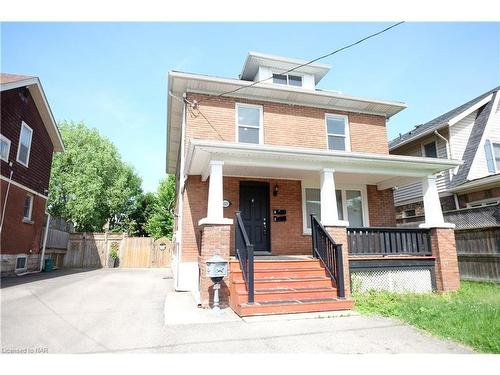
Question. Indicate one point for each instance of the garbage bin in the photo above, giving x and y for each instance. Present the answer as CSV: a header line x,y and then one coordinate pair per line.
x,y
49,265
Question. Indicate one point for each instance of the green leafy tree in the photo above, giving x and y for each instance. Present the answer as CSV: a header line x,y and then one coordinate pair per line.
x,y
135,216
161,222
90,184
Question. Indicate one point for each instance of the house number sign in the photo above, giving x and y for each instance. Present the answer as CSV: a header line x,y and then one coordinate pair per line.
x,y
226,203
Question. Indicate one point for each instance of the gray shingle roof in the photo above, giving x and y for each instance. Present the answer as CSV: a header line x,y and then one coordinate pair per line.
x,y
438,122
473,143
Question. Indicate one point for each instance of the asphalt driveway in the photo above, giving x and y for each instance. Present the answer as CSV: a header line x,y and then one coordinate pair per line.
x,y
122,310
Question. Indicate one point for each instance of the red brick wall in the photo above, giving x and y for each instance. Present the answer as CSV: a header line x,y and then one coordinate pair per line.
x,y
214,239
445,251
286,237
381,207
14,110
18,237
285,125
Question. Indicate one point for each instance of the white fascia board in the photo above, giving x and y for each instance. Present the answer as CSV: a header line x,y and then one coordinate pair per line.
x,y
50,121
469,110
484,182
312,159
276,88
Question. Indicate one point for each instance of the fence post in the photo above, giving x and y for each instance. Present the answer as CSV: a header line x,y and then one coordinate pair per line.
x,y
340,271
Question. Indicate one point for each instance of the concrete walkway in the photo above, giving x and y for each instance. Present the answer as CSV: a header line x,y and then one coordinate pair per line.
x,y
127,310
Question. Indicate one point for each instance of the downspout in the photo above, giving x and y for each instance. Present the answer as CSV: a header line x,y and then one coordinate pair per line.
x,y
6,196
43,249
448,156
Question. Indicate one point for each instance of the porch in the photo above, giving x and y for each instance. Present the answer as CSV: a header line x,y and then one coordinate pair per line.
x,y
270,193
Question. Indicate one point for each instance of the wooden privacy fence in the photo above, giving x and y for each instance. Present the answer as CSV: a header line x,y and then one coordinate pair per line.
x,y
478,253
91,250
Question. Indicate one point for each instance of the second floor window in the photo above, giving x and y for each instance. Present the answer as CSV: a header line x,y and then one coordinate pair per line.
x,y
337,129
249,123
4,148
430,150
23,151
492,152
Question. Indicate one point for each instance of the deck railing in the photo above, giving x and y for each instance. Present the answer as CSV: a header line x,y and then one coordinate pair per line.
x,y
389,241
244,253
329,253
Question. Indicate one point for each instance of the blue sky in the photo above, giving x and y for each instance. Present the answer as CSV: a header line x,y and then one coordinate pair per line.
x,y
112,76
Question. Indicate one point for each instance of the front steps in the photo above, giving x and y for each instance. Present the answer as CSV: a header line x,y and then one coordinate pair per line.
x,y
285,285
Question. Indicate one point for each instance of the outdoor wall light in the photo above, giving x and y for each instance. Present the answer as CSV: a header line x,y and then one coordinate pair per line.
x,y
275,190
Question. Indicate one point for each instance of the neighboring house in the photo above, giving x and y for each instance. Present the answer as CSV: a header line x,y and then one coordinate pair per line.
x,y
279,151
470,132
29,136
469,194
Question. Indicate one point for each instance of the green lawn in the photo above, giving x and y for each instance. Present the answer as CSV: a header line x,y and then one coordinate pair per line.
x,y
471,315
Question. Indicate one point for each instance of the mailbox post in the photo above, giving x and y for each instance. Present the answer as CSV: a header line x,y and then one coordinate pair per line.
x,y
216,270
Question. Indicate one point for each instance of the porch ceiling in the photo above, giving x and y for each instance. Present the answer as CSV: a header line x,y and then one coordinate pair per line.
x,y
265,161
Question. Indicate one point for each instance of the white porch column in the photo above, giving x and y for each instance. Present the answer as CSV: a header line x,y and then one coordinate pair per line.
x,y
432,205
215,210
329,212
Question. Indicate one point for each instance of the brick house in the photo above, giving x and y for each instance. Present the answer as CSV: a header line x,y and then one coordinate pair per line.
x,y
29,136
253,162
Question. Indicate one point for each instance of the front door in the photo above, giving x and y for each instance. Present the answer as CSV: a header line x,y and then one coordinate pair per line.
x,y
254,207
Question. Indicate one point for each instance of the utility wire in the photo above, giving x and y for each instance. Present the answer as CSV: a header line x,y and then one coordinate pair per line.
x,y
309,62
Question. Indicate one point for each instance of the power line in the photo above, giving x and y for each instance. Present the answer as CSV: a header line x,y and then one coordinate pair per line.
x,y
310,62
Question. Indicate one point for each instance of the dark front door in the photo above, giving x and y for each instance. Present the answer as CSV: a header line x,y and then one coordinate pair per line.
x,y
254,207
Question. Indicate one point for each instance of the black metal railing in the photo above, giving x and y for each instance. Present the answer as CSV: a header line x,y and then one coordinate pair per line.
x,y
329,252
244,253
389,241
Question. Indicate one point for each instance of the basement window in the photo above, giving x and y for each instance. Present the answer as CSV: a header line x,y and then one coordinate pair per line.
x,y
21,263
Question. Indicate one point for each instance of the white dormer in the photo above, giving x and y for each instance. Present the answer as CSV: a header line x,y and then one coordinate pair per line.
x,y
259,66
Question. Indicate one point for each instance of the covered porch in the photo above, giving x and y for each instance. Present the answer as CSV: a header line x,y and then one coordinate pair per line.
x,y
275,190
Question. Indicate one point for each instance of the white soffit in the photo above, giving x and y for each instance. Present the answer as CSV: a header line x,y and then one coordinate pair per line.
x,y
291,161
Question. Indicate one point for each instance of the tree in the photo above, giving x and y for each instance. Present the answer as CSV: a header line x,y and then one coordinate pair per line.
x,y
90,184
135,216
161,222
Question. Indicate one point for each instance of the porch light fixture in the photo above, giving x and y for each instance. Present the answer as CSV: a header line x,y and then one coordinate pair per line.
x,y
275,190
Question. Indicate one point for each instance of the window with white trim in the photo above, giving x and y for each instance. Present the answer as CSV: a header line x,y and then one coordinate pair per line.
x,y
21,263
249,123
496,155
28,207
287,79
337,132
23,151
484,202
4,148
350,204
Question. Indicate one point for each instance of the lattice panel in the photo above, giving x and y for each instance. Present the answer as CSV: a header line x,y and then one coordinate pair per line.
x,y
416,280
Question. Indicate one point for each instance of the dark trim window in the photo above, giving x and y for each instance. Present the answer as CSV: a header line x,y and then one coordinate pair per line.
x,y
28,207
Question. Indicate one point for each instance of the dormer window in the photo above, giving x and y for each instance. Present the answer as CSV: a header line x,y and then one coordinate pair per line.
x,y
287,79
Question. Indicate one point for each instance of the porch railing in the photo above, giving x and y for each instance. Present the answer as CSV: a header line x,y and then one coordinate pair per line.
x,y
244,253
389,241
329,253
